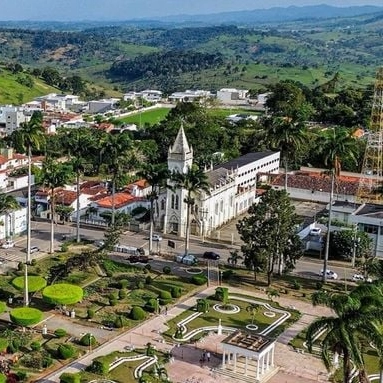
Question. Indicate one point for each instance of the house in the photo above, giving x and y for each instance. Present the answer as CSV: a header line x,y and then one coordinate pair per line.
x,y
11,117
190,96
232,190
14,223
102,106
231,96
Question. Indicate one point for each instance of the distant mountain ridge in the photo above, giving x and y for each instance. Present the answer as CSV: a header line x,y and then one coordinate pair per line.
x,y
276,14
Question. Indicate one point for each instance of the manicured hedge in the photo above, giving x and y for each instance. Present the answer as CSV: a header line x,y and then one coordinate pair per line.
x,y
199,280
35,283
88,340
67,377
25,316
66,351
151,305
121,322
63,294
137,313
176,292
60,333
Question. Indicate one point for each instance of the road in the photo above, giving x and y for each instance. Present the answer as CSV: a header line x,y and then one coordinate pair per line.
x,y
305,267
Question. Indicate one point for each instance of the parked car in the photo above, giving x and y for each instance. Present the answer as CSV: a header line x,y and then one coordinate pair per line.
x,y
138,259
8,244
34,249
156,237
330,274
360,278
315,231
99,243
211,255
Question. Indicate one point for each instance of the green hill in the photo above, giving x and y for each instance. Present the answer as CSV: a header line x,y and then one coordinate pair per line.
x,y
17,88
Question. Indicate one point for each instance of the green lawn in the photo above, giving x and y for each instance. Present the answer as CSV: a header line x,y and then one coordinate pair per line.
x,y
150,117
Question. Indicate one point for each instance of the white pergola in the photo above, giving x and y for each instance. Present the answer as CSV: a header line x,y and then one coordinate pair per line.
x,y
251,347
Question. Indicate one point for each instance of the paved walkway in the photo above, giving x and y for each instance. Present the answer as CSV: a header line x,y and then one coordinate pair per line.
x,y
294,367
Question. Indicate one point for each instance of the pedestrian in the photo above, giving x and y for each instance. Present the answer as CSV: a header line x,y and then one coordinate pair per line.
x,y
208,356
203,356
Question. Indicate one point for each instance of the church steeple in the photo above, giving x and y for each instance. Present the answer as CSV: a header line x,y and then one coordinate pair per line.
x,y
180,151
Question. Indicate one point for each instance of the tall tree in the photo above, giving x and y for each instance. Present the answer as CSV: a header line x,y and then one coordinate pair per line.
x,y
344,332
269,235
335,144
54,175
287,135
194,181
29,136
79,144
156,176
8,203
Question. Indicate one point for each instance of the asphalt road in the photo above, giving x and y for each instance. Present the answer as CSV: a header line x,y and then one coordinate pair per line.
x,y
306,267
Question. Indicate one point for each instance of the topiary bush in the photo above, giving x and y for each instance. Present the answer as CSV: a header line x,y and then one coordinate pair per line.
x,y
21,376
88,340
151,305
222,294
65,351
176,292
167,270
67,377
60,333
202,305
139,285
90,313
35,283
99,367
137,313
122,294
25,316
35,346
199,280
121,322
113,296
63,294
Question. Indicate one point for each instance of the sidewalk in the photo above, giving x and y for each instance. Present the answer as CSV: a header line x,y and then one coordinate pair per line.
x,y
294,367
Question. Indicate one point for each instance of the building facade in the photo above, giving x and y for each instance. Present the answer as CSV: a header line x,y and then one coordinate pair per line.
x,y
232,190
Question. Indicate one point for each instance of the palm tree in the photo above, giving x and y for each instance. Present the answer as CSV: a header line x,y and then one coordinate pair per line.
x,y
335,144
54,175
8,203
234,258
119,156
29,136
79,145
252,309
193,181
156,176
343,333
286,134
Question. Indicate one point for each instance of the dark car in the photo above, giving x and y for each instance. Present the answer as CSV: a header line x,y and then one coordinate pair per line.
x,y
211,255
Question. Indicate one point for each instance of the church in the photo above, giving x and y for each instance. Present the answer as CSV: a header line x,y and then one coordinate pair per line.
x,y
232,190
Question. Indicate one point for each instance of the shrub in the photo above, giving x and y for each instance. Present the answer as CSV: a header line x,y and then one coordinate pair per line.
x,y
60,333
124,283
199,280
21,376
20,266
67,377
148,280
88,340
222,294
90,313
25,316
35,346
137,313
319,285
99,367
202,305
66,351
35,283
3,307
176,292
167,270
148,267
151,305
34,262
122,294
228,274
140,285
113,296
296,285
165,297
63,294
121,322
4,343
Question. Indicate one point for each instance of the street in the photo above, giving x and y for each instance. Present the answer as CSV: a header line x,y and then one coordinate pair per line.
x,y
306,267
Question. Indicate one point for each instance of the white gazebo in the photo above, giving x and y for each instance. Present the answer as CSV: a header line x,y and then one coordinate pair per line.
x,y
249,354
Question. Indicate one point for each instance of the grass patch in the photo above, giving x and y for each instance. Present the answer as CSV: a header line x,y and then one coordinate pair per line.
x,y
150,117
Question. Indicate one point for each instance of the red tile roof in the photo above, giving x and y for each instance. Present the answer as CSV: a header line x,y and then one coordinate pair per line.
x,y
120,200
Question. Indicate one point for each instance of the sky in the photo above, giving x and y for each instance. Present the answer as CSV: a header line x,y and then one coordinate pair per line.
x,y
74,10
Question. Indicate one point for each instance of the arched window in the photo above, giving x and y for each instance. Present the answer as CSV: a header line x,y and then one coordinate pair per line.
x,y
173,199
177,202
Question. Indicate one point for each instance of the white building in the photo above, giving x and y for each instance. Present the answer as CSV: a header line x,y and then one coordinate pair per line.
x,y
190,96
11,117
231,96
232,190
14,223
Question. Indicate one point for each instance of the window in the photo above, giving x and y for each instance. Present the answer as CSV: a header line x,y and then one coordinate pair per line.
x,y
216,208
221,207
177,203
163,204
173,200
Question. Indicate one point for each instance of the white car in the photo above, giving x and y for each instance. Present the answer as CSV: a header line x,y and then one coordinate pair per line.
x,y
8,244
330,274
156,237
315,231
360,278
